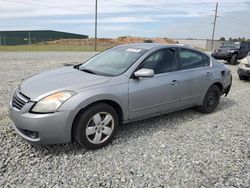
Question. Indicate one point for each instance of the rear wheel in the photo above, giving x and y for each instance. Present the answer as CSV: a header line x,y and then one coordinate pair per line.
x,y
242,77
234,59
211,100
96,126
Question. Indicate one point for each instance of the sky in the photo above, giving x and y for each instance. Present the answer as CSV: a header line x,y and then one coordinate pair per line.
x,y
142,18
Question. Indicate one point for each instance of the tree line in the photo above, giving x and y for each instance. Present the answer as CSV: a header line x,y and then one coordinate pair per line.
x,y
243,39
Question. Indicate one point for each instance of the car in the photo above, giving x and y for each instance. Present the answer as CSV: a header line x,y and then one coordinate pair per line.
x,y
87,102
232,51
244,68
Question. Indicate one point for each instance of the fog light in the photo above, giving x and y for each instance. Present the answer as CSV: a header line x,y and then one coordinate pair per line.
x,y
31,134
34,135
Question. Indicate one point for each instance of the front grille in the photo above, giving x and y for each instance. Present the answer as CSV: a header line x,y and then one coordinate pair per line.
x,y
19,100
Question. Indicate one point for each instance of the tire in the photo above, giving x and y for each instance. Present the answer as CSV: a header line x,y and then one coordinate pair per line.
x,y
90,129
242,77
234,59
211,100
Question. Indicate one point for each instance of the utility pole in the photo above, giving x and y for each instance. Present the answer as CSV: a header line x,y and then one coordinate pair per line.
x,y
95,25
0,39
29,39
214,23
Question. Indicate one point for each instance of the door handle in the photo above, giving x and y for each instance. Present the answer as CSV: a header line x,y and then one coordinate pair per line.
x,y
208,74
174,83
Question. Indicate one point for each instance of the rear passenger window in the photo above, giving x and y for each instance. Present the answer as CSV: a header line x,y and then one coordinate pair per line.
x,y
190,59
206,60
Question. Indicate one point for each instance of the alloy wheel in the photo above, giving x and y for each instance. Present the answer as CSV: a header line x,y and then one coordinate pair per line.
x,y
99,128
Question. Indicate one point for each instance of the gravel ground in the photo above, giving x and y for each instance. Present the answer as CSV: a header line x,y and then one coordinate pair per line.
x,y
181,149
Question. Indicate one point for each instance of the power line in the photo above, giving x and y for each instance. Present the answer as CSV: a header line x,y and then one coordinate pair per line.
x,y
232,28
2,41
234,19
238,19
41,5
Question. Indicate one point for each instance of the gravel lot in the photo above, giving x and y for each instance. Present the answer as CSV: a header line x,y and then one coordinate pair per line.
x,y
182,149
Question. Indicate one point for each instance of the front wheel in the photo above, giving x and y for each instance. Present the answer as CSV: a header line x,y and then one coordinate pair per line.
x,y
234,59
96,126
211,100
242,77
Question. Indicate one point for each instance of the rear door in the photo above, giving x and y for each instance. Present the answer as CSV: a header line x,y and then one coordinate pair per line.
x,y
149,96
195,76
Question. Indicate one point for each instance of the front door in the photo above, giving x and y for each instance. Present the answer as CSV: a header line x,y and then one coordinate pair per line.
x,y
150,96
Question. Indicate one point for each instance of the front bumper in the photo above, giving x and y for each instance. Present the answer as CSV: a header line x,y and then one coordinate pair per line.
x,y
243,71
222,56
53,128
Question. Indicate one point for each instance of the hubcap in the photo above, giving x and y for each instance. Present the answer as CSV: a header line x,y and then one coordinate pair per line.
x,y
211,99
100,127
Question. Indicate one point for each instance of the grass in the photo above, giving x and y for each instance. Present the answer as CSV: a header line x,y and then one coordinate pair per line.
x,y
50,47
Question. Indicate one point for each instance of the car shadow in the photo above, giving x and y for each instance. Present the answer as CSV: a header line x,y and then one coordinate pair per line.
x,y
134,130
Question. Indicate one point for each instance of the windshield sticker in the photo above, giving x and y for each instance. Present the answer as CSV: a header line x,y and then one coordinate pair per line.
x,y
133,50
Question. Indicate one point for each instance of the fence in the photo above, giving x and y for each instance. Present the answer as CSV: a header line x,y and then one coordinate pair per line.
x,y
200,43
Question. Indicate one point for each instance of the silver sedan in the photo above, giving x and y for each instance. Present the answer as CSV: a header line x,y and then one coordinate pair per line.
x,y
87,102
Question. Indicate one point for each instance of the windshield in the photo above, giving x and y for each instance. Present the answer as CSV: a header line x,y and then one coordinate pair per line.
x,y
112,62
230,45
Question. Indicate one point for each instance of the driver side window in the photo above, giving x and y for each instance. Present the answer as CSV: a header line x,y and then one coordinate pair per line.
x,y
161,61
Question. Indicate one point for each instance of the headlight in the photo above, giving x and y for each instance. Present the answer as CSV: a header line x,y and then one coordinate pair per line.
x,y
231,51
52,102
241,65
244,61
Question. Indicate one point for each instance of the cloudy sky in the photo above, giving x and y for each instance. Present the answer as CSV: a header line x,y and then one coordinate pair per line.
x,y
147,18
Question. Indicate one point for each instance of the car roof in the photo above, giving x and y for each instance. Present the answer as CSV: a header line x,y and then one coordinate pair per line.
x,y
150,46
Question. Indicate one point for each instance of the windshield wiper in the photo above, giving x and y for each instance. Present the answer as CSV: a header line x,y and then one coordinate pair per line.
x,y
88,71
91,71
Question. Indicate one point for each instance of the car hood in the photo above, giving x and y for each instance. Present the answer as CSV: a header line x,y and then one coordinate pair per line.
x,y
61,79
245,60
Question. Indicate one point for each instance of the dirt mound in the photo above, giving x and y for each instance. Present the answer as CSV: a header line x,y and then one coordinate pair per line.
x,y
111,42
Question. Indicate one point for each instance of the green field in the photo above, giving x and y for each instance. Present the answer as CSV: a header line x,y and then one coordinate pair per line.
x,y
50,47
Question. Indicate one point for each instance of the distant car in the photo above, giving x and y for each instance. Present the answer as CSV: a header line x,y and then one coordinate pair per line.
x,y
232,51
87,102
244,68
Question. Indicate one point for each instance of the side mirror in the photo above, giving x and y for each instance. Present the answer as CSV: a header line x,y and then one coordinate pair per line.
x,y
144,73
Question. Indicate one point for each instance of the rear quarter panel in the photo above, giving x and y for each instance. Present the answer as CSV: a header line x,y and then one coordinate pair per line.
x,y
226,78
